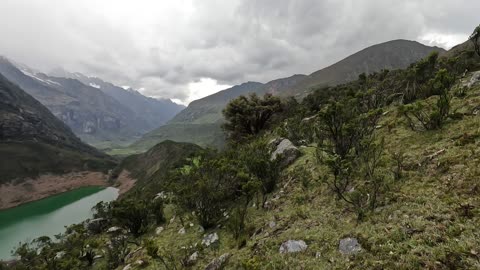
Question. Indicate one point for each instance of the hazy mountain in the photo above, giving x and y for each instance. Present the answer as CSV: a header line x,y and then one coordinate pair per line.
x,y
208,110
154,112
89,112
34,141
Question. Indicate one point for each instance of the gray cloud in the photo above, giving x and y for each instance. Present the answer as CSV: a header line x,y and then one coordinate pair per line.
x,y
162,46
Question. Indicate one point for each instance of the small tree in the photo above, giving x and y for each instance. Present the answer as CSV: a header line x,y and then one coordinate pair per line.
x,y
132,214
428,115
247,116
475,39
206,187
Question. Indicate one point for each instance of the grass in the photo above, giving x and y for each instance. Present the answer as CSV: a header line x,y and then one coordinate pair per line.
x,y
422,225
429,219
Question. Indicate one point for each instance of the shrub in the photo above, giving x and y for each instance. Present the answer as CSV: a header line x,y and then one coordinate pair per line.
x,y
131,213
247,116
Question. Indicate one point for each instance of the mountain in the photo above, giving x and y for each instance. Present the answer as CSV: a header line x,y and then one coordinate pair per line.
x,y
201,121
90,113
98,112
33,141
408,195
153,112
394,54
150,167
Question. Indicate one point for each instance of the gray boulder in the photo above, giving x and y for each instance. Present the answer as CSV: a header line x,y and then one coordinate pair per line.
x,y
292,246
219,262
285,150
210,239
349,246
192,259
473,80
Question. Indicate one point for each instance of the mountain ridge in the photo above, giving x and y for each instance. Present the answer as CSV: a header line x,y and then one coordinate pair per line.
x,y
394,54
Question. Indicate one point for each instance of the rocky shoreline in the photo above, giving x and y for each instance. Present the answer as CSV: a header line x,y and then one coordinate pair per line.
x,y
29,190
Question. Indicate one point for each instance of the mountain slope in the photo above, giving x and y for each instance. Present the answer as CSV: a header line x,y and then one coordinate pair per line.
x,y
154,112
394,54
33,141
90,113
201,121
149,168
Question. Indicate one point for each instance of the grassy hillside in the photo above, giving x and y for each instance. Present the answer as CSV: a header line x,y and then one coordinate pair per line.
x,y
411,201
152,166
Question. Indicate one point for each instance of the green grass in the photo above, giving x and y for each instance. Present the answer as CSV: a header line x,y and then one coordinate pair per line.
x,y
420,226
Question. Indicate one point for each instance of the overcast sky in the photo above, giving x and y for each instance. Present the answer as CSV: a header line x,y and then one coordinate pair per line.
x,y
186,49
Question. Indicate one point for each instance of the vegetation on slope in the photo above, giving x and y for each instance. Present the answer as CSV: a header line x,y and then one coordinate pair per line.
x,y
370,170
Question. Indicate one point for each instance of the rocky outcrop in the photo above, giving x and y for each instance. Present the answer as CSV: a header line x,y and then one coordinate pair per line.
x,y
285,151
210,239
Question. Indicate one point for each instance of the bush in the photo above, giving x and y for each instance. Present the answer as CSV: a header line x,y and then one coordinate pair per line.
x,y
132,214
248,116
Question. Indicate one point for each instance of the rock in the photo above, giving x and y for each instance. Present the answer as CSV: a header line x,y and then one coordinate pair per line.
x,y
114,229
201,229
131,254
318,255
127,267
140,262
96,225
272,224
210,239
291,246
162,195
60,255
181,231
219,262
97,257
349,246
286,151
159,230
192,259
473,80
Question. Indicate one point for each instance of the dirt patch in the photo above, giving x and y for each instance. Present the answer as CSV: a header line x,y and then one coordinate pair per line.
x,y
124,182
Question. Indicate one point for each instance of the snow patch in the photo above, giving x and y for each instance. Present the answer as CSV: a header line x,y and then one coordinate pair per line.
x,y
95,85
26,72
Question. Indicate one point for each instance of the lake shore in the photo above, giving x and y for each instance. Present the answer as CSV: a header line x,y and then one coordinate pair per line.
x,y
29,190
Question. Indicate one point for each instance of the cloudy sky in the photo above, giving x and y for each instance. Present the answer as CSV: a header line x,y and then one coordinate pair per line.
x,y
187,49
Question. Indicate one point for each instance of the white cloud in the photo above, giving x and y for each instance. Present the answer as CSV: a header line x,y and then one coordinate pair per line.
x,y
202,88
443,40
166,46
